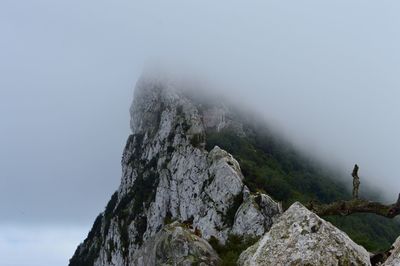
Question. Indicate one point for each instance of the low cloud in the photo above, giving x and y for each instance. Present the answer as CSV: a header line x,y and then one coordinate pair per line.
x,y
325,74
23,245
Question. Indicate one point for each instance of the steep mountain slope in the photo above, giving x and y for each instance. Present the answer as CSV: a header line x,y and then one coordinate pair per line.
x,y
169,176
208,170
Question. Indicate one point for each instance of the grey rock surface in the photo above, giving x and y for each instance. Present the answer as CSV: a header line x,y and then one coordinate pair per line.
x,y
300,237
175,245
168,175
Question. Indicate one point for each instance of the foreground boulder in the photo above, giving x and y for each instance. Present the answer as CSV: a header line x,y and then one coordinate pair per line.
x,y
300,237
176,245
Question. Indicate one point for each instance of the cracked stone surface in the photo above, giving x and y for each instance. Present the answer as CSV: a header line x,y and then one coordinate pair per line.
x,y
176,245
300,237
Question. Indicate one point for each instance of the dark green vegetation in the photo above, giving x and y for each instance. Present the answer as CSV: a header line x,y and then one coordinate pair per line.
x,y
229,218
274,167
88,255
373,232
88,251
234,246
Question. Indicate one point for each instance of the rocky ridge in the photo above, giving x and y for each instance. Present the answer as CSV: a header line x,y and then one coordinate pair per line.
x,y
167,175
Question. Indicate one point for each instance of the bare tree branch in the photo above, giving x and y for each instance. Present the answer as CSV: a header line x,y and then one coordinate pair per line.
x,y
345,208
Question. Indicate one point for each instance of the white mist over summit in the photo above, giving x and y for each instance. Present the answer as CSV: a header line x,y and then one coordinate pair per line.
x,y
326,74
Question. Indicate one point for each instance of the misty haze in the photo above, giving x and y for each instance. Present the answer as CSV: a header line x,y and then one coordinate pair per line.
x,y
234,121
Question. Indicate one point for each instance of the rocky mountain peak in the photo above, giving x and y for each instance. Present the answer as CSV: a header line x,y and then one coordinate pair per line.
x,y
168,175
158,100
180,190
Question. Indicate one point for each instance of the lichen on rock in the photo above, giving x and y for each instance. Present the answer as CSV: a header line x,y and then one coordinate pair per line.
x,y
175,245
300,237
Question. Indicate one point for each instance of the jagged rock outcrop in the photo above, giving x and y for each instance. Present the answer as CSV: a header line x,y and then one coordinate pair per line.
x,y
300,237
394,258
167,175
255,214
176,245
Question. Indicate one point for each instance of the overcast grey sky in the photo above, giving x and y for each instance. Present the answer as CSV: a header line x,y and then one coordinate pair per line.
x,y
327,73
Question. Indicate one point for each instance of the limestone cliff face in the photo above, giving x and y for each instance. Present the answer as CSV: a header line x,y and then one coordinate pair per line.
x,y
167,175
300,237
